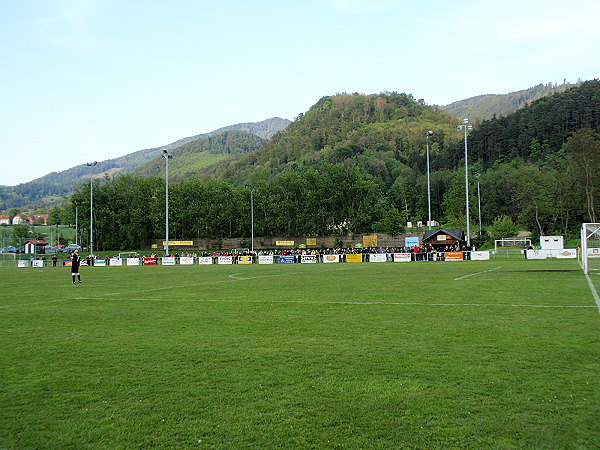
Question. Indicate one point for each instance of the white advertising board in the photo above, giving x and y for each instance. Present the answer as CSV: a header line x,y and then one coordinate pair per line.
x,y
168,261
225,260
402,257
21,263
37,263
186,260
265,259
593,252
377,257
331,258
536,254
480,256
205,260
115,262
566,253
308,259
100,262
133,261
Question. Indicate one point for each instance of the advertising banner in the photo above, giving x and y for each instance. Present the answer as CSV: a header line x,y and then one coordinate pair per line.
x,y
244,260
536,254
454,256
377,257
287,259
567,253
411,241
370,241
284,243
354,258
22,263
37,263
133,261
225,260
331,258
265,259
168,261
116,262
402,257
307,259
178,243
100,262
205,260
593,252
66,263
150,261
480,256
186,260
311,241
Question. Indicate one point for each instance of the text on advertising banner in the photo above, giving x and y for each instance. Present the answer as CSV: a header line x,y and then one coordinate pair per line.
x,y
402,257
377,257
454,256
151,261
311,241
265,259
225,260
115,262
287,259
133,261
21,263
37,263
331,258
411,241
205,260
168,261
244,260
186,260
593,252
370,241
567,253
354,258
100,262
308,259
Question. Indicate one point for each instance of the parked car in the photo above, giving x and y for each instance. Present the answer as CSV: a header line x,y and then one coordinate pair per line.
x,y
71,247
11,249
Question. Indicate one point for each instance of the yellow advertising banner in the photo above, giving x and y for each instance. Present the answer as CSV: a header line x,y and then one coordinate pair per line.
x,y
370,241
284,243
354,258
175,243
244,260
311,241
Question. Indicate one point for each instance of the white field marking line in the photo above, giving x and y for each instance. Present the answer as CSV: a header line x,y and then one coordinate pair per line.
x,y
594,292
35,303
339,302
230,278
477,273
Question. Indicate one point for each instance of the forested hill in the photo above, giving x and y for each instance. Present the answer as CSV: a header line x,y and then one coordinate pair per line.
x,y
48,189
382,134
190,158
483,107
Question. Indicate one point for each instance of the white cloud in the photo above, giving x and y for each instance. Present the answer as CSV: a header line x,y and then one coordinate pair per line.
x,y
362,6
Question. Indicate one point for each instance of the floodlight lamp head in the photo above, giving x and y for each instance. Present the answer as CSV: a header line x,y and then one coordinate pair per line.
x,y
429,133
465,120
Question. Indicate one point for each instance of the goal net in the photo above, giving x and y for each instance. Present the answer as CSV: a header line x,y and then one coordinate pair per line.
x,y
590,247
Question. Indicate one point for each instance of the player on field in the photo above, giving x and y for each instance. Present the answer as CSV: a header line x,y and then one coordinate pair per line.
x,y
75,262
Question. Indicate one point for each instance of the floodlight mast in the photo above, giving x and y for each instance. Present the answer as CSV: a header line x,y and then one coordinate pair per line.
x,y
91,164
429,133
166,155
466,126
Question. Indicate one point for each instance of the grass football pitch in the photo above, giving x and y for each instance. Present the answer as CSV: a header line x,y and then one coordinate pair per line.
x,y
490,354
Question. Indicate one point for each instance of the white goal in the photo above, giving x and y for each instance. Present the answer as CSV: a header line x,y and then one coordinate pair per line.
x,y
590,247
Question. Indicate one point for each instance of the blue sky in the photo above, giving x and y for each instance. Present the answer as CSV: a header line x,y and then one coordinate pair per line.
x,y
86,80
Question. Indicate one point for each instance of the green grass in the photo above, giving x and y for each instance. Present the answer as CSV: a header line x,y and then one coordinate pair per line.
x,y
301,356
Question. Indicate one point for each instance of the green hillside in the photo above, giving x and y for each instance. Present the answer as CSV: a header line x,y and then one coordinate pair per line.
x,y
194,156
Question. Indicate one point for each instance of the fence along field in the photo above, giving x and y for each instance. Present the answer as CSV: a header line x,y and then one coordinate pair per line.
x,y
471,354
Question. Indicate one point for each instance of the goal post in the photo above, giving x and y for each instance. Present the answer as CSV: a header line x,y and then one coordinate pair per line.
x,y
590,247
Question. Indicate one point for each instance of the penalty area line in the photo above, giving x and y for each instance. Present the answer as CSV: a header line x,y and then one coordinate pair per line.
x,y
476,273
594,292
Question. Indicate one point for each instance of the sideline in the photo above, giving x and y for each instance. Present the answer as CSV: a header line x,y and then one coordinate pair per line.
x,y
36,303
477,273
340,302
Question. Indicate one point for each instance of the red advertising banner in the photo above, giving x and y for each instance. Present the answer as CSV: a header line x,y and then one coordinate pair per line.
x,y
454,256
150,261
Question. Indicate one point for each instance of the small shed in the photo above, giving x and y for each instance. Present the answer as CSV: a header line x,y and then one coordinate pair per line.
x,y
35,246
440,239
